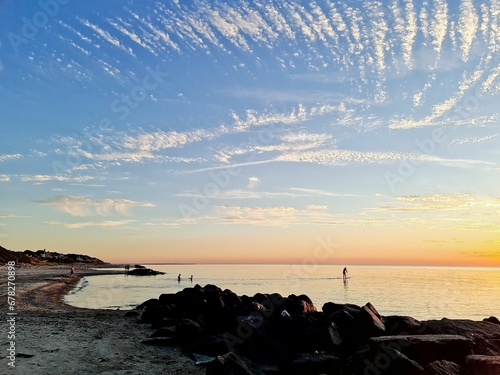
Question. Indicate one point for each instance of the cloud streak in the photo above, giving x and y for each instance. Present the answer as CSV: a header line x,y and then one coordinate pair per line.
x,y
83,207
98,224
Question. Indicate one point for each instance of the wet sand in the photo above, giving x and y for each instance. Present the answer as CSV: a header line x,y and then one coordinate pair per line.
x,y
55,338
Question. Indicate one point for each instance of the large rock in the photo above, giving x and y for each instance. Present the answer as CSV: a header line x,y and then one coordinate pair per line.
x,y
402,325
168,298
369,321
298,305
233,364
314,333
148,303
473,330
388,361
482,365
442,368
425,349
144,272
331,308
347,328
492,319
489,347
155,313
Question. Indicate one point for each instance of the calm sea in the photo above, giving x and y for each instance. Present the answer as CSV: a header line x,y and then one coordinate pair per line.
x,y
421,292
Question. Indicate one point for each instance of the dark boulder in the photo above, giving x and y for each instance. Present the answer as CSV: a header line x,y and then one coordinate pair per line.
x,y
487,347
155,313
168,298
369,321
388,361
471,329
297,305
331,308
482,365
210,288
233,364
231,299
148,303
402,325
347,328
492,319
442,368
312,333
425,349
144,272
260,297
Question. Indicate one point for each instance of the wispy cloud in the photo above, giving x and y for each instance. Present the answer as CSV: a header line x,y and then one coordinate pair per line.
x,y
106,36
80,206
467,26
140,146
340,157
462,141
438,25
284,216
435,202
9,157
100,224
317,192
59,178
251,192
10,216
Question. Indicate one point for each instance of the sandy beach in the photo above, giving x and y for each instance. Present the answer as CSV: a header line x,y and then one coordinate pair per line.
x,y
52,337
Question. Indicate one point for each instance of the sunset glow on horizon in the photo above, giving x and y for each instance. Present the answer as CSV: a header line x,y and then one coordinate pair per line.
x,y
357,132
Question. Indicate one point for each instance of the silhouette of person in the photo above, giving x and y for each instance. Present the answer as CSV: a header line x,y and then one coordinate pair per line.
x,y
179,278
344,273
191,278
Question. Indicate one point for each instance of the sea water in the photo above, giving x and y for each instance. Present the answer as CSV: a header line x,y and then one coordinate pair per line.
x,y
420,292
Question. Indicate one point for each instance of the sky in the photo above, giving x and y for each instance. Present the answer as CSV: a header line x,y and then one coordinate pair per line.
x,y
353,132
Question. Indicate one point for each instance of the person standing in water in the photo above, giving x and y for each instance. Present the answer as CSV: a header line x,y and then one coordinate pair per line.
x,y
344,274
179,278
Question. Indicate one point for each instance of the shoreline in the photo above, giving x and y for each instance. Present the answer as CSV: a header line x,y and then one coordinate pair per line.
x,y
52,337
44,288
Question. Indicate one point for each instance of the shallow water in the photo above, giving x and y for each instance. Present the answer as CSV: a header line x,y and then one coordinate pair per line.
x,y
421,292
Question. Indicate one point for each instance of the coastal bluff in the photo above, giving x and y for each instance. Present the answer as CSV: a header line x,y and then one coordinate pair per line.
x,y
275,335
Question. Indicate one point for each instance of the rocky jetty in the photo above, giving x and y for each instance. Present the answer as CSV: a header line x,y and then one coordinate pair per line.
x,y
143,271
271,334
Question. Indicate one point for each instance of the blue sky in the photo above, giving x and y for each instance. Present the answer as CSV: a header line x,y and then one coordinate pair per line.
x,y
249,131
